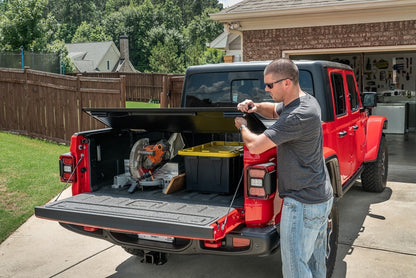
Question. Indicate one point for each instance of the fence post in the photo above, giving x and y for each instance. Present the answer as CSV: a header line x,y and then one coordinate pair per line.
x,y
164,93
23,124
79,101
123,91
23,57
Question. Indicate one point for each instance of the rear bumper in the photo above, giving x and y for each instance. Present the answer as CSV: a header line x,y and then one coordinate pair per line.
x,y
264,241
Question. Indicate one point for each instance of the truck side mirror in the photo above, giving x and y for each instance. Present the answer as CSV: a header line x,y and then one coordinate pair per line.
x,y
369,100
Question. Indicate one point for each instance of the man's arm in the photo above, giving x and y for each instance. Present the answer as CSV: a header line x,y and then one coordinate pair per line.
x,y
265,109
256,143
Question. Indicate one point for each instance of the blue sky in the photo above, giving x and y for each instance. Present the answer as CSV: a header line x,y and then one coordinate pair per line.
x,y
227,3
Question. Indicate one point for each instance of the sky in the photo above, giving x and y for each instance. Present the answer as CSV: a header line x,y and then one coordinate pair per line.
x,y
227,3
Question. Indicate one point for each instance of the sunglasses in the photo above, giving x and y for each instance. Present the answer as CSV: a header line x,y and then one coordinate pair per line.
x,y
270,85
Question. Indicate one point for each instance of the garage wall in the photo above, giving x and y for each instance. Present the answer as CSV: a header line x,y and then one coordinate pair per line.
x,y
269,44
382,71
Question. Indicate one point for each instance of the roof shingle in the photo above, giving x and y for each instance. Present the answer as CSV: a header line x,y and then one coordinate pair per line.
x,y
269,5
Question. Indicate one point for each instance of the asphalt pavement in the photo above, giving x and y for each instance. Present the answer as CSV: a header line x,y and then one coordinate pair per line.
x,y
377,239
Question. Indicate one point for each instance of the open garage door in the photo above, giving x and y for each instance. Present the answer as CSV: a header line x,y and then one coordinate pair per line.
x,y
390,72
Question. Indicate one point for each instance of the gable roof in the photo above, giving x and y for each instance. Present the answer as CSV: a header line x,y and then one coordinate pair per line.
x,y
87,56
270,14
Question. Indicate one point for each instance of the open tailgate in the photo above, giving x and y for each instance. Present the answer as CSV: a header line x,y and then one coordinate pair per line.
x,y
178,218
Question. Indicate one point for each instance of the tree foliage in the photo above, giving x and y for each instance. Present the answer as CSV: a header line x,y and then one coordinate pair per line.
x,y
23,25
164,35
86,32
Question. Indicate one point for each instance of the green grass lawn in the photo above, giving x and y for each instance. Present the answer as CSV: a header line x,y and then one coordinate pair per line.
x,y
133,104
29,176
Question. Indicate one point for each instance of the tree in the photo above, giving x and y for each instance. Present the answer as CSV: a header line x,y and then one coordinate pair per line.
x,y
164,58
22,24
3,5
134,21
213,56
70,14
191,8
169,15
202,28
88,33
153,26
114,5
163,39
59,47
200,31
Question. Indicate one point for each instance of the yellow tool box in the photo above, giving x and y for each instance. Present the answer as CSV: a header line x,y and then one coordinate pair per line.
x,y
215,167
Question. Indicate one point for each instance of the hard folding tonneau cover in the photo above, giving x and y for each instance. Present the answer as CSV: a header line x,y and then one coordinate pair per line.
x,y
198,119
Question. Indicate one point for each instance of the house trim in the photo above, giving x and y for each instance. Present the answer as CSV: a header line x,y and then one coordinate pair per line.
x,y
399,10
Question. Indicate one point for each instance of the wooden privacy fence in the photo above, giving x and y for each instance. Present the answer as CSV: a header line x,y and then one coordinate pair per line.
x,y
50,105
140,86
172,91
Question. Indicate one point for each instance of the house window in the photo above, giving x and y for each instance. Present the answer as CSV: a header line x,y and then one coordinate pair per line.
x,y
108,65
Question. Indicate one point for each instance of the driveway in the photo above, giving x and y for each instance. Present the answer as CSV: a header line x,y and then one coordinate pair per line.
x,y
377,239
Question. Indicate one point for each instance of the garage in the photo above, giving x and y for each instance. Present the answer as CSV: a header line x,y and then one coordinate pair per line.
x,y
375,37
388,73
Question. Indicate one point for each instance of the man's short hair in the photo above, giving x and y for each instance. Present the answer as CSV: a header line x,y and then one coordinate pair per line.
x,y
284,67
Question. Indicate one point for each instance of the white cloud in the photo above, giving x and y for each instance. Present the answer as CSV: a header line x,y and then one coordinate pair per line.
x,y
228,3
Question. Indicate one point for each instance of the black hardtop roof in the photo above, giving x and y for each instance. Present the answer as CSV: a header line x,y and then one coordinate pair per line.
x,y
260,65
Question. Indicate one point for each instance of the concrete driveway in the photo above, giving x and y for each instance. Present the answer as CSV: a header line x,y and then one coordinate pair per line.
x,y
377,239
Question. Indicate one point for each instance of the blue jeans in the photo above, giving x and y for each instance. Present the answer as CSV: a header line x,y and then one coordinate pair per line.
x,y
303,238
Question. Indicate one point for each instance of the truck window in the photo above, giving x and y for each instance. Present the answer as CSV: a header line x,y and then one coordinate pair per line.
x,y
352,93
305,82
226,89
249,89
339,93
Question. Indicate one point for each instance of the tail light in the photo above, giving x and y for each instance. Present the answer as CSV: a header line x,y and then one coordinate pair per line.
x,y
261,180
67,167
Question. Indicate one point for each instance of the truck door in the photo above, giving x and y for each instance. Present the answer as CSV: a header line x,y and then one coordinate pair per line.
x,y
358,122
342,124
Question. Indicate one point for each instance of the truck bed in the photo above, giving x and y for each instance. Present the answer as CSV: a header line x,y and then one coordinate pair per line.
x,y
182,214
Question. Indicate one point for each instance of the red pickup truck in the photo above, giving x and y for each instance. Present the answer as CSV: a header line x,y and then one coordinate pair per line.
x,y
179,180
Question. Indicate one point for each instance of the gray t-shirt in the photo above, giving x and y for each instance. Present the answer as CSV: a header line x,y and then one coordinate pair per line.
x,y
300,162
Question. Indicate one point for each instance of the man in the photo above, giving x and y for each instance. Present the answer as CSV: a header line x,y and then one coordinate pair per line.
x,y
303,178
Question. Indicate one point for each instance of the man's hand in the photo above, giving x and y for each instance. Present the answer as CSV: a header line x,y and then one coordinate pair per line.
x,y
247,106
239,121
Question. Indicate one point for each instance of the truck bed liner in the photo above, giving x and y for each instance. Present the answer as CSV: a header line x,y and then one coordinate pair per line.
x,y
147,212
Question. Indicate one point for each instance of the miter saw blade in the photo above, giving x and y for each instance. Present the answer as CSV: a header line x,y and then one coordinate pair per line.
x,y
136,160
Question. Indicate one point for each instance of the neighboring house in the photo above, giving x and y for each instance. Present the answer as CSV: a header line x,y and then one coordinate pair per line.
x,y
101,56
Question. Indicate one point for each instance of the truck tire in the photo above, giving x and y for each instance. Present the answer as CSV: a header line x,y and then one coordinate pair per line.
x,y
374,176
332,239
134,251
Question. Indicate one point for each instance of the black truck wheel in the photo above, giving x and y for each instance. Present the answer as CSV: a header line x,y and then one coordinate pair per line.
x,y
374,176
332,239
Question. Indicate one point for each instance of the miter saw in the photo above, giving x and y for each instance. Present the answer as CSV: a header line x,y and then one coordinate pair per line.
x,y
149,163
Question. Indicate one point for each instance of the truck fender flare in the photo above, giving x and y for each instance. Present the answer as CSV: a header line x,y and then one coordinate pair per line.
x,y
375,126
332,164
